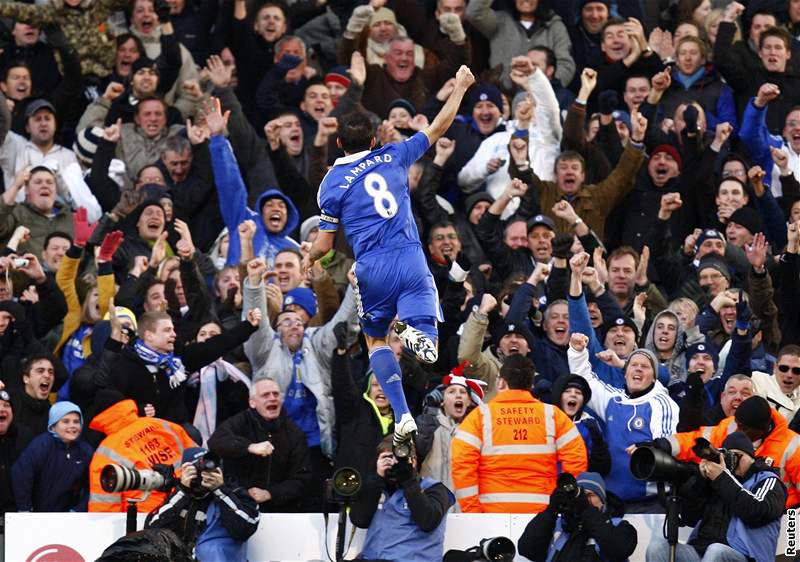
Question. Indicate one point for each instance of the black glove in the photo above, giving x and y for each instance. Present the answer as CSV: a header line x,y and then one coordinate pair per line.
x,y
559,500
56,37
340,332
162,11
562,245
690,115
402,473
287,62
459,269
694,385
743,313
607,102
435,397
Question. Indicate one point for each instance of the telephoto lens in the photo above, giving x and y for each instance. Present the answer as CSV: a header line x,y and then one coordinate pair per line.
x,y
115,478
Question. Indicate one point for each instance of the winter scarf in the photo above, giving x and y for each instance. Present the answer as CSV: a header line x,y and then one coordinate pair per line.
x,y
205,417
164,361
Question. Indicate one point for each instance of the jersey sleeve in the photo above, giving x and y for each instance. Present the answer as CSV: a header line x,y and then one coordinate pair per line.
x,y
329,200
412,149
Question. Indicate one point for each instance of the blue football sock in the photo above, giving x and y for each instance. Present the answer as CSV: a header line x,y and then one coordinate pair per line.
x,y
387,371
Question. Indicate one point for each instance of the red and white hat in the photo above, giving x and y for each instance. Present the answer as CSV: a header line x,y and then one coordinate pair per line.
x,y
473,386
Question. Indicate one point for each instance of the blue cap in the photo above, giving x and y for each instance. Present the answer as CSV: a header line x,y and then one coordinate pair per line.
x,y
486,92
593,482
702,347
707,234
623,116
302,297
61,409
192,454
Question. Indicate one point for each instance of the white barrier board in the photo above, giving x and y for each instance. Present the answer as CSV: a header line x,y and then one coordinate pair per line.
x,y
82,537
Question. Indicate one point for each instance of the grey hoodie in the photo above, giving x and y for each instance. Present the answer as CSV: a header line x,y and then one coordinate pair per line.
x,y
676,364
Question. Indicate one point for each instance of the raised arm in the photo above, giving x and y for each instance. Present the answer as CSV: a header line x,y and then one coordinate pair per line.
x,y
442,121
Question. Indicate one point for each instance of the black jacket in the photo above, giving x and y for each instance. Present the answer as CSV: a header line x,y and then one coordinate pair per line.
x,y
132,378
356,420
12,443
711,505
616,541
195,199
29,412
184,512
284,474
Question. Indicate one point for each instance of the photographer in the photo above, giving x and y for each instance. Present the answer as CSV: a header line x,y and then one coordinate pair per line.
x,y
738,502
208,514
583,522
410,525
767,430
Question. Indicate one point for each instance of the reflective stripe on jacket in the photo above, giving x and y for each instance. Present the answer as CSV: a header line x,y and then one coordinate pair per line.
x,y
781,449
133,442
506,454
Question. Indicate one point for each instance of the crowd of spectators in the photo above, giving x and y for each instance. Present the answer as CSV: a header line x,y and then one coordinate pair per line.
x,y
625,170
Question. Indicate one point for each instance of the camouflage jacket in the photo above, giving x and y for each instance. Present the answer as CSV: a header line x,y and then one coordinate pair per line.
x,y
84,26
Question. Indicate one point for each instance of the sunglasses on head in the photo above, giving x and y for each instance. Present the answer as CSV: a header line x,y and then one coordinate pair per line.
x,y
785,369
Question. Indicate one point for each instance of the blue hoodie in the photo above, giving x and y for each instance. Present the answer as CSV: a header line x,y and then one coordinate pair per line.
x,y
233,206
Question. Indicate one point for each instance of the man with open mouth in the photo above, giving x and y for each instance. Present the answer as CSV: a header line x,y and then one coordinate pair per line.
x,y
31,402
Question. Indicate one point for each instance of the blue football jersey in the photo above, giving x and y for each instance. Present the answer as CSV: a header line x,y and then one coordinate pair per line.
x,y
368,193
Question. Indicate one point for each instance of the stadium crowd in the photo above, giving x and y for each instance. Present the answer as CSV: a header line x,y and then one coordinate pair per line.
x,y
612,223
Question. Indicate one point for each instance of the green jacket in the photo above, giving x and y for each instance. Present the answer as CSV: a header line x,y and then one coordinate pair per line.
x,y
12,216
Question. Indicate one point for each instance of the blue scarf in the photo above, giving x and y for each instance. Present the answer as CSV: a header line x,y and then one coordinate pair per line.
x,y
164,361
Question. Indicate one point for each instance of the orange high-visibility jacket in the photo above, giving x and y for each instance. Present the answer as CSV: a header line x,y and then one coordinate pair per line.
x,y
505,454
133,442
781,448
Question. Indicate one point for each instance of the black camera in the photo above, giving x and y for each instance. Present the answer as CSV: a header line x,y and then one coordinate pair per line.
x,y
500,549
654,465
206,463
345,484
705,450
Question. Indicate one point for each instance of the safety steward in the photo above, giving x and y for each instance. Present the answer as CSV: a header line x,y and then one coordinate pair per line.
x,y
133,442
507,452
778,445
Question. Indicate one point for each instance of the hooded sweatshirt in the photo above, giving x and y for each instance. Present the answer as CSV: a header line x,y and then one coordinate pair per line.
x,y
233,206
676,363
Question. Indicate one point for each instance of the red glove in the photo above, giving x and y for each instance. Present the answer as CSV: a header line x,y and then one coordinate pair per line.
x,y
80,225
110,244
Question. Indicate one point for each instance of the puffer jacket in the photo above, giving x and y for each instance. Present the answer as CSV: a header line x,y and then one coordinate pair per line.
x,y
52,476
271,358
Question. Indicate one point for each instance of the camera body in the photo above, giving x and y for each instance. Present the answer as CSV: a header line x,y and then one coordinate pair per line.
x,y
21,262
206,463
705,450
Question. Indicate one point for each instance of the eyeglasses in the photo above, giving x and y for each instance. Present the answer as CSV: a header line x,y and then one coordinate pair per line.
x,y
786,368
730,173
290,323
